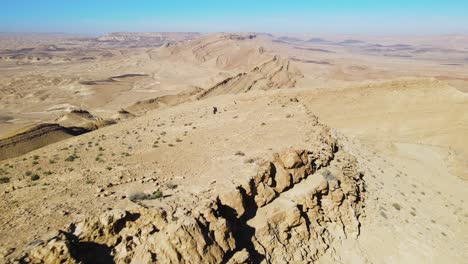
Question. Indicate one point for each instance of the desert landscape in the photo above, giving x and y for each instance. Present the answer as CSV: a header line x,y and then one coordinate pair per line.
x,y
233,148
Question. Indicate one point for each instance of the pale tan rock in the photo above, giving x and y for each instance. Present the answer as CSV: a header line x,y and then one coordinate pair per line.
x,y
282,177
290,159
240,257
298,227
234,200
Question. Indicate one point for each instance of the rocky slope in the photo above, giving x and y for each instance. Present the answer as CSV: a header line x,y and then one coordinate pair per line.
x,y
292,209
275,73
72,124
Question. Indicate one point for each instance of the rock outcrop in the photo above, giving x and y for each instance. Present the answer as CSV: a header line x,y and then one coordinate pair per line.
x,y
292,210
274,73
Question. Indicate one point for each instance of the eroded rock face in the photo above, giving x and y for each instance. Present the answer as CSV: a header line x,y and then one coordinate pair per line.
x,y
274,73
294,208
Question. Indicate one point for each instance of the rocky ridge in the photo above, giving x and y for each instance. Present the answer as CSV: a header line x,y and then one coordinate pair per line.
x,y
274,73
292,209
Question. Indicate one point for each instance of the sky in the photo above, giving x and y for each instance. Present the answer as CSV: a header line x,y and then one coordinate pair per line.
x,y
275,16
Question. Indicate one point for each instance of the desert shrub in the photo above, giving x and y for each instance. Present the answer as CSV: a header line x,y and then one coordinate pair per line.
x,y
4,180
157,194
108,168
71,158
89,181
36,157
35,162
98,159
48,173
250,160
178,140
170,145
140,196
396,206
171,186
239,153
35,177
51,161
28,173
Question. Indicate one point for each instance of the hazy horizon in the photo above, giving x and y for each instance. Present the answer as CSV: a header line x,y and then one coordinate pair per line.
x,y
337,17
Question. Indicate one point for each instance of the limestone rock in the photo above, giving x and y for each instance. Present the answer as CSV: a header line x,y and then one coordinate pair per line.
x,y
262,220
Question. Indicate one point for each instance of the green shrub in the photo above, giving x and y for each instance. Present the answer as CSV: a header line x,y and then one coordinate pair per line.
x,y
157,194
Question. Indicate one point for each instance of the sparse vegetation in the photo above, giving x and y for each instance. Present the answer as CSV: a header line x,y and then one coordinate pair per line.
x,y
4,180
250,160
89,181
71,158
171,186
35,177
140,196
239,153
396,206
157,194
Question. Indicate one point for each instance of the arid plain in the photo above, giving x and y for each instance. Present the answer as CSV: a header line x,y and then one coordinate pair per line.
x,y
233,148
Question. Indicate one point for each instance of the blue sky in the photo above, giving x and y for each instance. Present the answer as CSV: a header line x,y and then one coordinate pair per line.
x,y
294,16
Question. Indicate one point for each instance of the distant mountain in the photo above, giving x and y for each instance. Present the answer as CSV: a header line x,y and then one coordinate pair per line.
x,y
351,42
318,40
289,39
